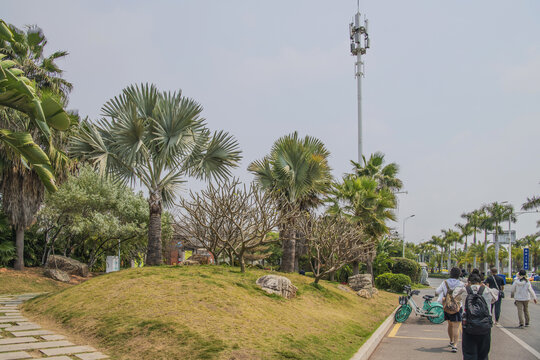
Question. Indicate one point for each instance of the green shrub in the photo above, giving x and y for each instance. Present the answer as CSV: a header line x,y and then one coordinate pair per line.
x,y
407,267
394,282
7,252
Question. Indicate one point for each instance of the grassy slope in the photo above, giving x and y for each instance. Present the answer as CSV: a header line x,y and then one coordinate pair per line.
x,y
210,312
30,280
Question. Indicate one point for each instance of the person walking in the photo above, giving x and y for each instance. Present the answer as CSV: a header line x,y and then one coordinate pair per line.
x,y
522,293
496,282
477,321
451,305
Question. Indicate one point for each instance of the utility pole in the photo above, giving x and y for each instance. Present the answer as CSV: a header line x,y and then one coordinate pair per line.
x,y
358,32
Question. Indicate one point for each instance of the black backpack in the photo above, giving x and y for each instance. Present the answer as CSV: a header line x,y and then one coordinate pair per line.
x,y
476,318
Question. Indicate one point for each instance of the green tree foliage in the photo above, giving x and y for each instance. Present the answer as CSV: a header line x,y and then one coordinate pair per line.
x,y
32,97
90,215
156,138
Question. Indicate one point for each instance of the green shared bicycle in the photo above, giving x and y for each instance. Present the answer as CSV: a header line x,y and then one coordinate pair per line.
x,y
431,310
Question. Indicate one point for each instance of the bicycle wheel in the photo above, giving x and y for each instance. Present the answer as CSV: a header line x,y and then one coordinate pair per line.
x,y
437,310
402,313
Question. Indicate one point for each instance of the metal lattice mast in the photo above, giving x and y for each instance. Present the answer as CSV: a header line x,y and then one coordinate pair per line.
x,y
359,44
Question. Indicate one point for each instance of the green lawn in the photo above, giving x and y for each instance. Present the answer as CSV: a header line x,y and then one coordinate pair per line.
x,y
31,280
211,312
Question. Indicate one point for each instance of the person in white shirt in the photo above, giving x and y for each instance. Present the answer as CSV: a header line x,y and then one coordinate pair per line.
x,y
454,320
522,293
476,347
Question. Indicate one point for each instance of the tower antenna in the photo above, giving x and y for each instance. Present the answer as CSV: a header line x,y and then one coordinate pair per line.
x,y
359,35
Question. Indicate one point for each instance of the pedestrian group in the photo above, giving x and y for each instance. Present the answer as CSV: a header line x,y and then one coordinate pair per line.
x,y
475,305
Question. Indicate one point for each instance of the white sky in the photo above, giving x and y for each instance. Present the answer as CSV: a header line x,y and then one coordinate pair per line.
x,y
452,88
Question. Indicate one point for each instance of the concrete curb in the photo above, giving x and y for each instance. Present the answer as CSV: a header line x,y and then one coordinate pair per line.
x,y
371,344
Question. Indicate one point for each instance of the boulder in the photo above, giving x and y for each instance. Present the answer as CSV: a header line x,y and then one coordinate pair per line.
x,y
190,262
367,293
360,281
201,259
57,275
70,266
275,284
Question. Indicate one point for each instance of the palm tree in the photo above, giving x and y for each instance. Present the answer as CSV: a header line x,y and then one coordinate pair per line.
x,y
451,237
297,172
367,204
486,224
465,230
32,105
386,175
473,220
499,213
531,203
440,243
158,139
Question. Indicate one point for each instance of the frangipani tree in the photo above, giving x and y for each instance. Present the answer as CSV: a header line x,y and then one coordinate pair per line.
x,y
157,139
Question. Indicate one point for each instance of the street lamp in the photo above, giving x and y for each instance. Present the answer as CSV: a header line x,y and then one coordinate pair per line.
x,y
407,218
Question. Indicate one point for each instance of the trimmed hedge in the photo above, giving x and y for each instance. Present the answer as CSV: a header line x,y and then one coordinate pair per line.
x,y
394,282
407,267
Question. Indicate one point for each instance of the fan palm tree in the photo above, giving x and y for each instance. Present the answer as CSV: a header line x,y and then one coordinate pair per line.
x,y
28,106
158,139
297,172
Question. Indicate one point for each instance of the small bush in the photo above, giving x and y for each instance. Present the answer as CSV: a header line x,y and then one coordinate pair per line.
x,y
407,267
394,282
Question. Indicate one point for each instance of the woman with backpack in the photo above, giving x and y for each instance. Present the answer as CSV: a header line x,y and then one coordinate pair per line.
x,y
451,305
522,294
477,321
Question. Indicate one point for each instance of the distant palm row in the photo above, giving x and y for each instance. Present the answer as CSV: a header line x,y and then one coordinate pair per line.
x,y
485,221
158,139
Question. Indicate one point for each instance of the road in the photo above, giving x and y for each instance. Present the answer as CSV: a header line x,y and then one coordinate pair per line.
x,y
418,339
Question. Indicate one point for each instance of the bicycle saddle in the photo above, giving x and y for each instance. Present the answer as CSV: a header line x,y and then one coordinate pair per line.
x,y
415,292
428,297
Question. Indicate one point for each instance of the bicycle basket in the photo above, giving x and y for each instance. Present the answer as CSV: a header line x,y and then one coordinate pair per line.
x,y
403,300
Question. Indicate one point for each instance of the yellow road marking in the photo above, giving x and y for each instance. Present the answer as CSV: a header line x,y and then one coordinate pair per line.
x,y
419,338
394,330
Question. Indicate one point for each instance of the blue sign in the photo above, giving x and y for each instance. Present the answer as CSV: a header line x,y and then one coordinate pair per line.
x,y
526,258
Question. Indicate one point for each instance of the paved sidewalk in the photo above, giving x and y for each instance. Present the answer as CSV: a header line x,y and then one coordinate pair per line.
x,y
418,339
22,339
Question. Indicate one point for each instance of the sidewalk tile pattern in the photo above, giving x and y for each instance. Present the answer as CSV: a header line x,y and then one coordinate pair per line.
x,y
18,335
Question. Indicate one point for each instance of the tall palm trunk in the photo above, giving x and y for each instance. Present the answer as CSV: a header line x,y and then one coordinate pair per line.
x,y
497,262
474,241
485,252
22,195
154,253
289,251
19,243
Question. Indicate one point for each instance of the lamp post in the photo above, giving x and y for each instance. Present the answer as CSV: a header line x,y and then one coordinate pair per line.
x,y
407,218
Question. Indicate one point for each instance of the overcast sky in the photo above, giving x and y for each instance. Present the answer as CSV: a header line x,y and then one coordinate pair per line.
x,y
451,92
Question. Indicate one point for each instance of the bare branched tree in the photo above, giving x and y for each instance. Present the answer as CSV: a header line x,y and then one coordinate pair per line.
x,y
332,242
229,217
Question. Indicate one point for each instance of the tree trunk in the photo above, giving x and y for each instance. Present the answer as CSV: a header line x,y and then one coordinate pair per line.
x,y
497,248
485,253
289,251
356,267
242,264
369,265
154,253
19,243
449,260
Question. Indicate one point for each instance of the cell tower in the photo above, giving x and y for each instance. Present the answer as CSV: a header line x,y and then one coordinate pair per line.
x,y
359,44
